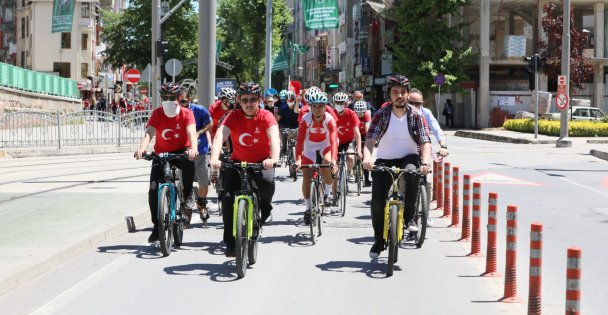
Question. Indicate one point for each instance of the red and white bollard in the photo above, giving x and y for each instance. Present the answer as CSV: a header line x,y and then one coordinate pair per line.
x,y
447,196
434,197
476,232
573,284
466,208
511,264
536,262
439,186
491,249
455,197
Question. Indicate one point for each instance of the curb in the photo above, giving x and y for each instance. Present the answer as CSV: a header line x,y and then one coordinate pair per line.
x,y
66,151
496,138
52,262
597,141
599,154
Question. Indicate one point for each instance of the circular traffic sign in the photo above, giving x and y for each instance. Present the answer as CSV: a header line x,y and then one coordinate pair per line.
x,y
173,67
133,75
561,101
439,79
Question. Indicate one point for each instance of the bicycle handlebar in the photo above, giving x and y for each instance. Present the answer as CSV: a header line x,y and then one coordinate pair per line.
x,y
396,170
328,165
164,156
246,165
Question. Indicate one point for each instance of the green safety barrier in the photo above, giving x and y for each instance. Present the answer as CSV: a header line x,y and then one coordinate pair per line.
x,y
37,82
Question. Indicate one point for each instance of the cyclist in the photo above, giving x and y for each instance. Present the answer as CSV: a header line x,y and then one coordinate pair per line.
x,y
221,107
316,136
358,96
347,127
175,131
256,139
306,108
403,141
365,118
287,116
270,101
203,124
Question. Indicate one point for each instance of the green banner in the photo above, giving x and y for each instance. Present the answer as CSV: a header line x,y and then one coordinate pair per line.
x,y
321,14
281,61
63,13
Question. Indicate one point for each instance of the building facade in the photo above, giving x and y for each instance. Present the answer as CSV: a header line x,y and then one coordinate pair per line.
x,y
8,34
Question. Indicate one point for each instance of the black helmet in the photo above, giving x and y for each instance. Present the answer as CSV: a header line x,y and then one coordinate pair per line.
x,y
170,88
397,80
249,88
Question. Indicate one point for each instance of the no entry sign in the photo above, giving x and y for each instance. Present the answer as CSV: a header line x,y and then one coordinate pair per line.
x,y
133,75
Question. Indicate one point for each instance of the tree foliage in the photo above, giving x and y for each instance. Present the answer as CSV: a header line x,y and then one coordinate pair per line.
x,y
553,25
128,36
426,45
241,27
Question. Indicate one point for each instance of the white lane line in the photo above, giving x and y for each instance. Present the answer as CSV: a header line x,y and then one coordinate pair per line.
x,y
70,294
599,192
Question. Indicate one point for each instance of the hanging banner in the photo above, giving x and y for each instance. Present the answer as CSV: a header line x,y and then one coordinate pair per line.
x,y
281,61
63,13
321,14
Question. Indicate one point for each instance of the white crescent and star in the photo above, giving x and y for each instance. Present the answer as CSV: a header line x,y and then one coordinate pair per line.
x,y
340,132
242,139
164,134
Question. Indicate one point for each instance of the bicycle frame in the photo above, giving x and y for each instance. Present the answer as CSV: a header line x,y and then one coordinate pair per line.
x,y
244,194
173,199
394,199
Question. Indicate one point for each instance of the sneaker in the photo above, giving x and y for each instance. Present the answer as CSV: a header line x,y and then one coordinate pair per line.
x,y
187,218
307,217
230,250
267,220
367,183
429,222
411,226
329,201
153,238
202,209
376,250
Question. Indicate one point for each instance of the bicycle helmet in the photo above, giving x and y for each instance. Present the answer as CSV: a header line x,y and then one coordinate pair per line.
x,y
317,98
270,92
291,96
169,89
247,88
340,97
228,93
311,90
360,107
283,94
397,80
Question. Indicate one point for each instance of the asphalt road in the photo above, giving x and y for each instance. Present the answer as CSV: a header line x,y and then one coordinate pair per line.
x,y
565,189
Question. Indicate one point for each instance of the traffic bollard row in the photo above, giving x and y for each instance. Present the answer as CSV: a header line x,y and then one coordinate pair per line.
x,y
536,262
476,232
455,196
434,197
491,249
466,208
446,191
510,295
573,279
439,186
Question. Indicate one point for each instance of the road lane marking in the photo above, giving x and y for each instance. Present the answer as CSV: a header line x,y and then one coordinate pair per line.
x,y
585,187
493,178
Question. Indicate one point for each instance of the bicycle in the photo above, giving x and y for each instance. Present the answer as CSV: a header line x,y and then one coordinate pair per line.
x,y
288,156
171,202
358,173
246,219
218,183
342,187
394,225
317,204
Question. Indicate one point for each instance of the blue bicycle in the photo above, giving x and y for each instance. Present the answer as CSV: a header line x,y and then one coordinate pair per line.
x,y
171,202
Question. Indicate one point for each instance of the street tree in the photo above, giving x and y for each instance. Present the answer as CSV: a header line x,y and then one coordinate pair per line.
x,y
128,37
552,23
242,30
425,44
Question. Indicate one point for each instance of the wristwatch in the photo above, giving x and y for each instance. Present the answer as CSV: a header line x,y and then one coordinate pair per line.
x,y
444,146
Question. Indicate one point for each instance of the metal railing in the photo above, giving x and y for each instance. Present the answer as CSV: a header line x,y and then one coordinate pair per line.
x,y
89,128
37,82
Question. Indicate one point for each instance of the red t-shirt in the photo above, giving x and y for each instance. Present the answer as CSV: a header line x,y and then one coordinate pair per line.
x,y
217,112
250,142
171,133
347,122
367,118
305,109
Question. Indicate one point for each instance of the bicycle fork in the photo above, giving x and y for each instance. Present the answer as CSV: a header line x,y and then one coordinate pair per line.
x,y
399,219
172,203
249,214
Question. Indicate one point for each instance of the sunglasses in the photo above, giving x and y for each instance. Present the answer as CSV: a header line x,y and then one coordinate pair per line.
x,y
183,102
249,100
318,105
415,103
169,97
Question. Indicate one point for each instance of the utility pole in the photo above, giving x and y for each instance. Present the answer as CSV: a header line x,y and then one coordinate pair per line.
x,y
268,67
206,52
563,140
155,66
536,60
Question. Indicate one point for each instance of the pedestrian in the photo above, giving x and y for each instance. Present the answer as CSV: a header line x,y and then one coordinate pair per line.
x,y
448,112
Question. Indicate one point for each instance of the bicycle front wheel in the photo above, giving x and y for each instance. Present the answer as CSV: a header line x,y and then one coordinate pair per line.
x,y
253,242
315,210
292,172
241,239
343,189
393,242
358,176
421,215
164,221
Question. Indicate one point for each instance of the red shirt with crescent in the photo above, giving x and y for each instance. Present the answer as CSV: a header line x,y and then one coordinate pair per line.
x,y
305,109
367,118
171,133
217,112
346,124
250,142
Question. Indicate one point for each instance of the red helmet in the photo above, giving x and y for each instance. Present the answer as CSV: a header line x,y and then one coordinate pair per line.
x,y
249,88
397,80
170,88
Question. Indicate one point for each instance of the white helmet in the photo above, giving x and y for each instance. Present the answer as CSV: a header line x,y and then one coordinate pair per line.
x,y
310,91
360,107
317,97
228,93
340,97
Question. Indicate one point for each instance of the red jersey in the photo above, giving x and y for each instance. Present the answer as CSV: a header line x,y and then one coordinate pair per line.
x,y
367,118
316,136
305,109
171,133
217,112
250,142
346,124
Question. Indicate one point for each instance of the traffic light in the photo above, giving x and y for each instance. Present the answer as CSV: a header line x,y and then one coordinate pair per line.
x,y
162,47
535,63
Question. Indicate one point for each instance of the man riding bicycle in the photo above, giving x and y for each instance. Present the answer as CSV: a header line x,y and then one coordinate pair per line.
x,y
403,142
288,116
365,118
347,127
255,137
175,131
316,136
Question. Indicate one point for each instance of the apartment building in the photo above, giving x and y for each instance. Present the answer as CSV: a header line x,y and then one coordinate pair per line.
x,y
8,46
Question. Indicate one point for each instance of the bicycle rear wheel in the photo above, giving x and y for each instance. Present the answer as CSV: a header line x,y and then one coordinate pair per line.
x,y
421,215
241,239
315,211
343,190
292,172
393,242
164,221
358,176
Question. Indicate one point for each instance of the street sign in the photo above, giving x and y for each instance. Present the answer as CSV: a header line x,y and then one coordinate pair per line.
x,y
173,67
561,101
79,85
561,84
133,75
439,79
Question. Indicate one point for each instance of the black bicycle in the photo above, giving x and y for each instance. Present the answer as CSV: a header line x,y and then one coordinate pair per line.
x,y
342,185
171,202
317,204
288,155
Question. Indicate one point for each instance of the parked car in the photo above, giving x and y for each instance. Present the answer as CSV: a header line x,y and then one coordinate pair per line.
x,y
583,113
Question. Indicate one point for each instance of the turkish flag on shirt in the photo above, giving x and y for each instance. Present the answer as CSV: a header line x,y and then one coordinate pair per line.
x,y
294,86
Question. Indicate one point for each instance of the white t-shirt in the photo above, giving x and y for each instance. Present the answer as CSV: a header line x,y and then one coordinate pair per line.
x,y
396,142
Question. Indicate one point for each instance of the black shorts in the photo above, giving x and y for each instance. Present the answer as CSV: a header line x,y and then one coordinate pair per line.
x,y
343,147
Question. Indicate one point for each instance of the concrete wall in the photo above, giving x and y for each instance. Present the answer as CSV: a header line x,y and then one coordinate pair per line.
x,y
15,100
